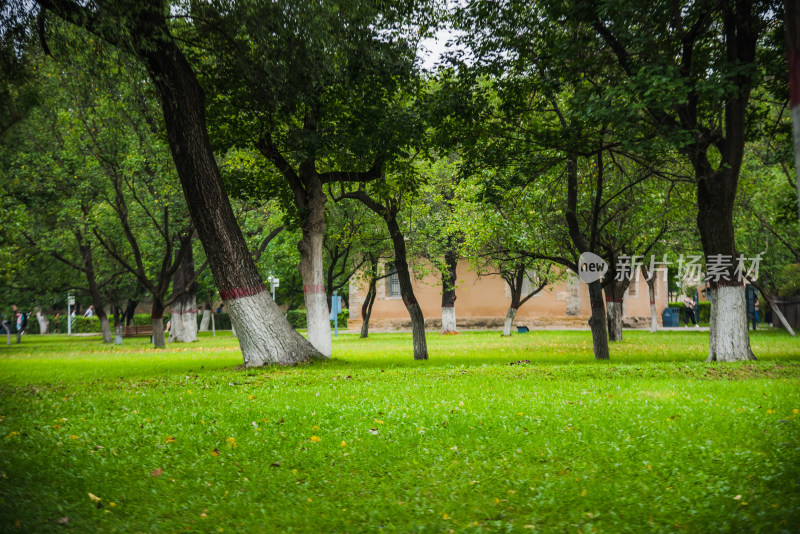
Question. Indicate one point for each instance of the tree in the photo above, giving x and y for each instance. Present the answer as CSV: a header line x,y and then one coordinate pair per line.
x,y
503,235
141,27
437,230
336,108
387,200
792,14
689,78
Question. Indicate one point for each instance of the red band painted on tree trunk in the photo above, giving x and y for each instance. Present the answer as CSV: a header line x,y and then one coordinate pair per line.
x,y
612,299
239,292
794,77
314,288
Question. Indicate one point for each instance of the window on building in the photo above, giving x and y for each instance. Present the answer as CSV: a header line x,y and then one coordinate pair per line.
x,y
393,281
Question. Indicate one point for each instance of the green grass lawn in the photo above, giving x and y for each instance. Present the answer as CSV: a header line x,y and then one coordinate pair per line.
x,y
654,440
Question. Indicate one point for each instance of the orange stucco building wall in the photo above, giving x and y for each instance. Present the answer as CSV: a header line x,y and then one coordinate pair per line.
x,y
483,301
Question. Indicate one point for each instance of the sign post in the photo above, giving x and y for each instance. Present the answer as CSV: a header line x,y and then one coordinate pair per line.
x,y
336,307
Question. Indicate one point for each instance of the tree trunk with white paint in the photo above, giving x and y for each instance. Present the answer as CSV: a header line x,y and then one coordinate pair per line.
x,y
265,336
449,320
44,324
614,320
509,322
729,340
105,328
261,334
94,291
184,307
651,279
313,272
449,280
597,322
615,293
206,320
407,289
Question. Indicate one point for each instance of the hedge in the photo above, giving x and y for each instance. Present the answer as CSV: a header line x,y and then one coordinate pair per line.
x,y
84,325
297,318
90,325
704,313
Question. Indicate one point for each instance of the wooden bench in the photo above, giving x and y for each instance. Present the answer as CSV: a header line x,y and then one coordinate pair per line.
x,y
137,331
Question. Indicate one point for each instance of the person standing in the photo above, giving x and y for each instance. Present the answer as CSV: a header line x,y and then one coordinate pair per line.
x,y
89,311
689,305
756,319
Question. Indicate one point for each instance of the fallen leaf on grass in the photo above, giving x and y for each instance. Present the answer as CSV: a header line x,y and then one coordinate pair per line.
x,y
215,452
157,472
373,431
63,520
170,439
275,464
94,498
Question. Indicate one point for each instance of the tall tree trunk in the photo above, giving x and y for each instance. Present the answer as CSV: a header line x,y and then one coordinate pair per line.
x,y
206,320
366,307
598,321
449,279
716,189
265,336
157,322
105,328
130,311
792,14
509,322
94,292
651,279
184,308
615,293
44,324
312,269
729,339
407,289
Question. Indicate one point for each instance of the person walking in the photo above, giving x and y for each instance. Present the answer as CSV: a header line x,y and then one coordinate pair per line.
x,y
89,311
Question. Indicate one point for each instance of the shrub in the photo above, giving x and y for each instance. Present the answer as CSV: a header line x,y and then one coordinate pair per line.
x,y
85,325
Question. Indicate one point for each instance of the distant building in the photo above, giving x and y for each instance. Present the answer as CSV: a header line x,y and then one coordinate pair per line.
x,y
482,302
